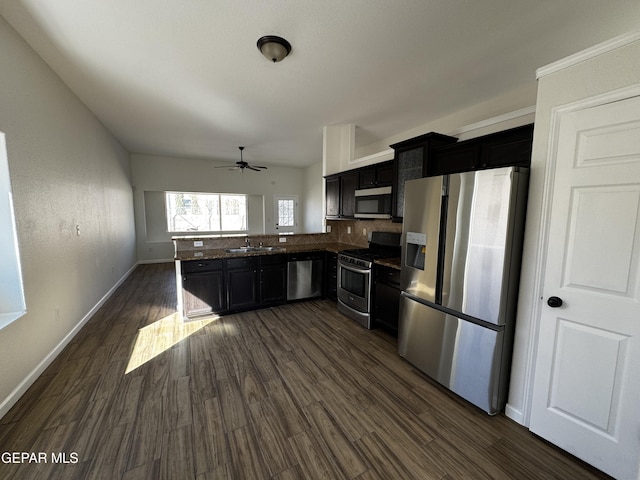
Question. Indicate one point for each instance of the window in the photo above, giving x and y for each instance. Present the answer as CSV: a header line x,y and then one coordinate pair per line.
x,y
286,211
206,212
12,302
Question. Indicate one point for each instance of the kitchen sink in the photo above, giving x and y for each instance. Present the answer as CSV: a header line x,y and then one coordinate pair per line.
x,y
254,249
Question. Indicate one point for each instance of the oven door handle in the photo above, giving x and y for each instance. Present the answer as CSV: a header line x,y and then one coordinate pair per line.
x,y
353,269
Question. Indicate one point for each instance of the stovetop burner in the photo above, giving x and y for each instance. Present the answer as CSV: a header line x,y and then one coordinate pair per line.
x,y
382,245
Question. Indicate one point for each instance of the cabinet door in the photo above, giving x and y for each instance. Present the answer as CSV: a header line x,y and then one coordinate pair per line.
x,y
242,288
332,192
462,157
384,174
387,298
203,293
387,307
348,193
512,147
367,177
273,284
410,166
378,175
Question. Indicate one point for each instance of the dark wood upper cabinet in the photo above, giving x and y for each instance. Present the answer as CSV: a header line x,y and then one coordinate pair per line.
x,y
378,175
332,193
348,193
412,160
507,148
340,192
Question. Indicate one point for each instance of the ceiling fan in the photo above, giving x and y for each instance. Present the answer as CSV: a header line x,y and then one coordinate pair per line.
x,y
241,165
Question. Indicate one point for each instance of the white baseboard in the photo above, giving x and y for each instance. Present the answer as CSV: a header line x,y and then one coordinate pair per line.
x,y
514,414
157,260
23,386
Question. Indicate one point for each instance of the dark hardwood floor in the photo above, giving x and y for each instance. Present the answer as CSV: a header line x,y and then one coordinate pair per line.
x,y
297,391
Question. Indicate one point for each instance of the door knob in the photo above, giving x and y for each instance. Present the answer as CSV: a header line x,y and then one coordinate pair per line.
x,y
554,302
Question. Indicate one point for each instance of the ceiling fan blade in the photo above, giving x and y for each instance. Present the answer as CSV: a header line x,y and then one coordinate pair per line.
x,y
241,165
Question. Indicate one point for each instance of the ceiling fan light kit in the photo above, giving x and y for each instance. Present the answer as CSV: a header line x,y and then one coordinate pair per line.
x,y
274,48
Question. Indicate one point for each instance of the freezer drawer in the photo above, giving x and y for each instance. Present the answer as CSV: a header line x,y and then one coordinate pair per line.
x,y
465,357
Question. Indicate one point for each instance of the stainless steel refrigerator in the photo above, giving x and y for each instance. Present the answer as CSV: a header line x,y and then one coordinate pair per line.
x,y
462,246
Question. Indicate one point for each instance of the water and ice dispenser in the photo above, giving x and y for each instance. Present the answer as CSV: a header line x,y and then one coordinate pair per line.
x,y
415,248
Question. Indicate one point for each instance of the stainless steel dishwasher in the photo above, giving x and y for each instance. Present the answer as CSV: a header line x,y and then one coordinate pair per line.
x,y
305,275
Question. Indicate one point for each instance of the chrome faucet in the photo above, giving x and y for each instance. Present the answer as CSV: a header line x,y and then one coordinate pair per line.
x,y
247,242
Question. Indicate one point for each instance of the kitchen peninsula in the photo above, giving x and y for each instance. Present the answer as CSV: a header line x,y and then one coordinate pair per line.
x,y
225,274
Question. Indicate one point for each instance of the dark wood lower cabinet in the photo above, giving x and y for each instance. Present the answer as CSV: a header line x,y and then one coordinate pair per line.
x,y
242,283
203,287
233,284
273,280
204,293
386,298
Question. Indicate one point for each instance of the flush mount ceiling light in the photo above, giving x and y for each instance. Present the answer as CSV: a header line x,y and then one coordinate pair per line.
x,y
274,48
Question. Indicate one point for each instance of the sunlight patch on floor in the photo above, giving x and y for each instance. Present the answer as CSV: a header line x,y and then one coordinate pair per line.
x,y
161,335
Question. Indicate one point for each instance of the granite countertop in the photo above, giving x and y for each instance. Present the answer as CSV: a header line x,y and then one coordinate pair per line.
x,y
210,254
390,262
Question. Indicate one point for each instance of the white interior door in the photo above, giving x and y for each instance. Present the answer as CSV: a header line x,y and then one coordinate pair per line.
x,y
586,395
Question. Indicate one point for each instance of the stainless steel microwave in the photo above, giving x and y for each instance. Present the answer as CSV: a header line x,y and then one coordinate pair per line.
x,y
373,203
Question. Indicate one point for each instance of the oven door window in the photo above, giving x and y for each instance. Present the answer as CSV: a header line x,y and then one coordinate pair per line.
x,y
353,282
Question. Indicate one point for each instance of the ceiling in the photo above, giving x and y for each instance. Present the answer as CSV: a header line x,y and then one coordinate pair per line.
x,y
185,78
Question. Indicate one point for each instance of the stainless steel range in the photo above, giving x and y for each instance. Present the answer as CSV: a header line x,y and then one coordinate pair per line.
x,y
355,275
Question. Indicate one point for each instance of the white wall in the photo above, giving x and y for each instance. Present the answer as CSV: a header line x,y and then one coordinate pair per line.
x,y
158,173
312,201
594,74
66,170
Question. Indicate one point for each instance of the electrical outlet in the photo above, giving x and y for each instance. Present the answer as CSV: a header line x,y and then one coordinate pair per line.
x,y
349,230
364,232
198,243
282,239
328,228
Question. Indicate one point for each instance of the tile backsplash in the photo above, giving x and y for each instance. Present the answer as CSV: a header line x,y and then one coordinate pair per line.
x,y
351,232
360,230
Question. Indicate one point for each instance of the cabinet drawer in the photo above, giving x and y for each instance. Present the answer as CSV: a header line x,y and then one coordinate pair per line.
x,y
192,266
276,259
242,262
